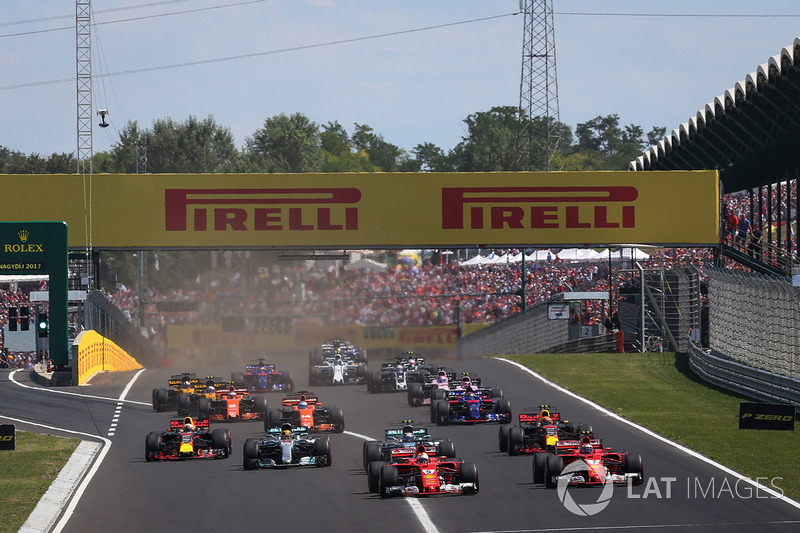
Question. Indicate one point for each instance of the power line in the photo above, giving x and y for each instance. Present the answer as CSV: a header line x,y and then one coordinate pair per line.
x,y
72,15
260,54
133,19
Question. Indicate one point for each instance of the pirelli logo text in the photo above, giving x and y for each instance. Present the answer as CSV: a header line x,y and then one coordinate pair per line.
x,y
503,208
295,209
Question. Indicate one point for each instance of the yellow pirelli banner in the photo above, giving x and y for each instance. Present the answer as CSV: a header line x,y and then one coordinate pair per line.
x,y
372,210
211,340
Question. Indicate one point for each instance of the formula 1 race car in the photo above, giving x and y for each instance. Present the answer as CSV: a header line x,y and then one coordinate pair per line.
x,y
401,443
539,431
337,364
164,399
399,373
188,438
287,446
232,404
304,408
435,386
422,475
587,463
470,407
262,376
189,400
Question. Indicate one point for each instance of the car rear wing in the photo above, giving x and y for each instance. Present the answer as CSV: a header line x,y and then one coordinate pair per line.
x,y
393,433
529,418
301,431
294,399
199,423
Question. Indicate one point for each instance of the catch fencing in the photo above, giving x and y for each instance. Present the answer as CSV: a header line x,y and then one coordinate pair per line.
x,y
106,319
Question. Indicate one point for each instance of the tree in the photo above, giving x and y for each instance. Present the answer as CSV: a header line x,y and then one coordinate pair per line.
x,y
604,145
430,158
194,146
491,141
286,143
386,156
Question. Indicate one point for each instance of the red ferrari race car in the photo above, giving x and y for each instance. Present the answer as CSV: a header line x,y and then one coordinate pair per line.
x,y
422,475
188,438
587,462
304,408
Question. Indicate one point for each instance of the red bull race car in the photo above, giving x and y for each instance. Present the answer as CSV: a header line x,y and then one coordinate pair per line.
x,y
304,409
188,438
539,431
423,475
586,462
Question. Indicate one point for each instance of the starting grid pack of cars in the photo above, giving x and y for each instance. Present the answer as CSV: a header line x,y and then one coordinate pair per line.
x,y
408,461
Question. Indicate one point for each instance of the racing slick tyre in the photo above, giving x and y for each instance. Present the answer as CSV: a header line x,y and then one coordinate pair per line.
x,y
553,467
447,449
273,419
634,465
539,466
415,394
372,452
322,448
184,403
503,407
497,392
502,437
250,454
337,419
442,411
313,377
361,371
469,474
261,406
286,379
237,378
374,382
161,399
152,445
433,410
221,439
516,440
204,407
438,394
389,478
374,475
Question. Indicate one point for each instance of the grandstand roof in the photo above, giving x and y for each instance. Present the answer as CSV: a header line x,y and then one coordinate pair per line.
x,y
749,133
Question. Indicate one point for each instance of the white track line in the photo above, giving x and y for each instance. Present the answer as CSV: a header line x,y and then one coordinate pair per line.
x,y
54,390
416,506
776,495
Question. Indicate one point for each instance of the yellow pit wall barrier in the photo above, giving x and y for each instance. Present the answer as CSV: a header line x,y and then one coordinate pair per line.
x,y
98,354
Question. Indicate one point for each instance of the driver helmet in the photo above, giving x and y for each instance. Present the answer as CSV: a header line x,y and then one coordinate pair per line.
x,y
408,432
286,430
465,380
302,405
546,420
188,427
231,394
586,448
210,389
422,458
398,368
186,383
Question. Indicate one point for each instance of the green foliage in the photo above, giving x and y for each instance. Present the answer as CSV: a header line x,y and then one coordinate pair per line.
x,y
496,140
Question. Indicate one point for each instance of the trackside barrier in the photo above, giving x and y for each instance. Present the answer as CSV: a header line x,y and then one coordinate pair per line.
x,y
746,380
98,354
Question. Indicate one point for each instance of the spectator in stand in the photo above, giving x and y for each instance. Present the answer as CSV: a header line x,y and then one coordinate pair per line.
x,y
754,248
744,231
731,223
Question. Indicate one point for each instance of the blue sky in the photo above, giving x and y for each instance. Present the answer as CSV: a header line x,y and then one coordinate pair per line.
x,y
332,60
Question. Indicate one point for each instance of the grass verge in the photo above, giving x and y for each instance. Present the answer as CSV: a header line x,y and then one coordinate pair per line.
x,y
660,392
27,473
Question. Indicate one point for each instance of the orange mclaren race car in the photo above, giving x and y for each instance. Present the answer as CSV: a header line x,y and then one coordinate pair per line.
x,y
304,408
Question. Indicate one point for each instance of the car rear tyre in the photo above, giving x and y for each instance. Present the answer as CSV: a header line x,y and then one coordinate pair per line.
x,y
204,407
250,454
497,393
634,465
374,475
553,467
502,437
152,445
447,448
372,452
389,478
221,439
261,406
438,394
273,419
415,394
162,399
322,448
516,440
337,419
184,403
539,466
442,411
469,474
503,408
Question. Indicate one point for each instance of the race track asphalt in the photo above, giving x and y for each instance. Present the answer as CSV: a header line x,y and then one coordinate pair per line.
x,y
682,493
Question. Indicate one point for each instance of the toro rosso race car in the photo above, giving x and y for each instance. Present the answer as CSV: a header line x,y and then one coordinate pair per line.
x,y
402,443
304,408
539,431
470,407
262,376
587,462
231,404
423,475
287,446
187,438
